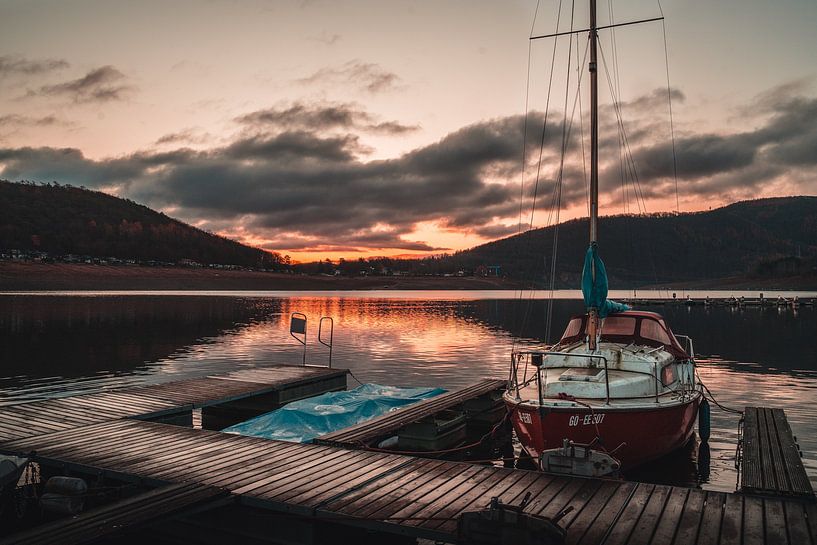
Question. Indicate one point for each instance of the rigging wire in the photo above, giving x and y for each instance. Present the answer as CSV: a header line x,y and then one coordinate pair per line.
x,y
557,203
669,103
525,153
640,200
525,126
526,313
581,128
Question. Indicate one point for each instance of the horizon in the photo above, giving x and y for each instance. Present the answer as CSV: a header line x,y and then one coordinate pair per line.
x,y
325,130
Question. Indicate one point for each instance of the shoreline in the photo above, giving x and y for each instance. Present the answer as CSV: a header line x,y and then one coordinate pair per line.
x,y
34,277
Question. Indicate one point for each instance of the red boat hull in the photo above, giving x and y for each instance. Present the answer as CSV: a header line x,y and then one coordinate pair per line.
x,y
646,433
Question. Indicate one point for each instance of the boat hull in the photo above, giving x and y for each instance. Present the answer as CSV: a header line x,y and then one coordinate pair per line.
x,y
641,433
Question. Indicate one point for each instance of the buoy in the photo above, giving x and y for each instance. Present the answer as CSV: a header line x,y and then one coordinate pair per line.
x,y
703,420
64,495
703,461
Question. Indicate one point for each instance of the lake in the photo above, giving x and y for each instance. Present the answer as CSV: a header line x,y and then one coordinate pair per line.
x,y
58,344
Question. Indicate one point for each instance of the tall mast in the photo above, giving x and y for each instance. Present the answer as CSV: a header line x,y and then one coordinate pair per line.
x,y
594,128
593,313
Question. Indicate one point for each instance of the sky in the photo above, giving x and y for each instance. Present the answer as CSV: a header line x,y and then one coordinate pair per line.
x,y
337,129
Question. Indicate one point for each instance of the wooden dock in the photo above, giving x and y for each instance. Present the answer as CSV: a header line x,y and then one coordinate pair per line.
x,y
129,513
406,496
316,490
368,433
172,402
770,457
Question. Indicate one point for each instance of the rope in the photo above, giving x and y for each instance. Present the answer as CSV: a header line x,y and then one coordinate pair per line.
x,y
351,374
712,398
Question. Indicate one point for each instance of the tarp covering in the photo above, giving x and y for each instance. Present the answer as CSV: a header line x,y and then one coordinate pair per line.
x,y
301,421
595,292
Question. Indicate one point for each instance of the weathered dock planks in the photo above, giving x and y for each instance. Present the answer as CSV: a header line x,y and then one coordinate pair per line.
x,y
367,432
413,496
770,458
274,384
122,515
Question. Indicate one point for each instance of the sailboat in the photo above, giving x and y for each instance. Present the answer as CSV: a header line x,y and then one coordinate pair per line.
x,y
618,381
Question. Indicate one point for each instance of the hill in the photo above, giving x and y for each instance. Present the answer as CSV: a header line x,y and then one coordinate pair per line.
x,y
61,220
751,239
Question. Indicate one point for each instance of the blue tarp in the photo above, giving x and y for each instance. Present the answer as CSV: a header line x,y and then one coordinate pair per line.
x,y
301,421
595,292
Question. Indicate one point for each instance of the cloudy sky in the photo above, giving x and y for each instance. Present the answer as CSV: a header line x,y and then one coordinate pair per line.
x,y
357,128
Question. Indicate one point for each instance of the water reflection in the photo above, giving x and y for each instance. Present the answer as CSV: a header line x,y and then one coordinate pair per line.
x,y
53,345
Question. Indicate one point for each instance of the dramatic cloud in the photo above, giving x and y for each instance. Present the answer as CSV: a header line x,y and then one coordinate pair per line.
x,y
322,117
187,136
102,84
290,184
13,65
15,120
361,75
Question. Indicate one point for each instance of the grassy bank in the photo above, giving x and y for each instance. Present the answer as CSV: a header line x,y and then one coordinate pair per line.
x,y
32,276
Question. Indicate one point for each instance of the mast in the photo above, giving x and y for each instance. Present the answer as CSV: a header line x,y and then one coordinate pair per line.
x,y
593,313
594,129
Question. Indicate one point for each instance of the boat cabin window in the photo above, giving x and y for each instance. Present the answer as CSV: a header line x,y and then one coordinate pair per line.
x,y
574,327
618,325
637,328
652,330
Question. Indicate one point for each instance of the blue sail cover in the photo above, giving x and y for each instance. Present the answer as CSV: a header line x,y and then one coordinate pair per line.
x,y
595,293
301,421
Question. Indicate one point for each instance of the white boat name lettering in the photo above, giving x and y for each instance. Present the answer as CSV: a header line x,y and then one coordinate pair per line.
x,y
586,420
525,417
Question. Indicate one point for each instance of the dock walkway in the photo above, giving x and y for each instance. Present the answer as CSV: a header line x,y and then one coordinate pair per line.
x,y
769,456
412,496
110,520
168,401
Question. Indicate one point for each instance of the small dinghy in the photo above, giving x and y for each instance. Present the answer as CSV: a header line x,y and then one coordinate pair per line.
x,y
578,459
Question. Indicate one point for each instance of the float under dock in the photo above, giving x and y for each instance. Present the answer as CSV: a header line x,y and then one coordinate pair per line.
x,y
111,520
770,461
365,433
402,495
268,387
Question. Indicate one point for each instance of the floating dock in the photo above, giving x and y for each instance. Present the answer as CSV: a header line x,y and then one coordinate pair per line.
x,y
260,389
112,519
368,433
769,456
224,488
401,495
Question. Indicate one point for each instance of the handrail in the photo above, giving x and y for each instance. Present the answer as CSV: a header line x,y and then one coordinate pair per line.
x,y
552,353
331,335
297,326
688,339
518,356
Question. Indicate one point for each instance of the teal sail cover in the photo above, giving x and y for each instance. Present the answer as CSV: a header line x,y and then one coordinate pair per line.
x,y
301,421
595,292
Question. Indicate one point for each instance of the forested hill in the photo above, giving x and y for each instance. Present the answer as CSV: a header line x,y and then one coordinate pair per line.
x,y
62,220
766,237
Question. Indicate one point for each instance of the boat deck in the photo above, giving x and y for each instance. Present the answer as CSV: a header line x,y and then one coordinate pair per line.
x,y
770,461
365,433
404,495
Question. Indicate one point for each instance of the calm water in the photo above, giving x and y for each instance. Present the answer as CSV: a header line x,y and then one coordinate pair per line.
x,y
61,344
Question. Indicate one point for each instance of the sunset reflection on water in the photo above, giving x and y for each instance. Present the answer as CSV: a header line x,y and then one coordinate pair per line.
x,y
58,345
